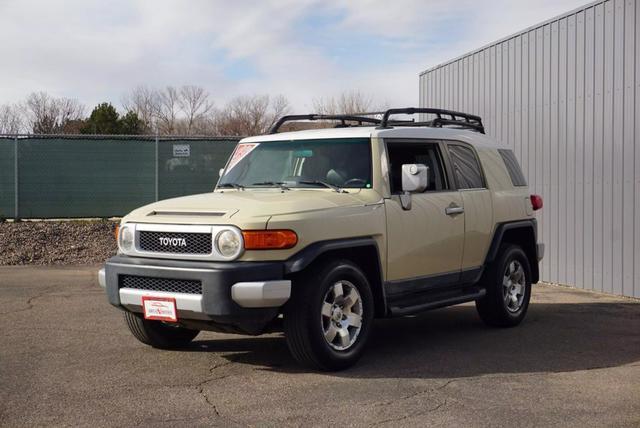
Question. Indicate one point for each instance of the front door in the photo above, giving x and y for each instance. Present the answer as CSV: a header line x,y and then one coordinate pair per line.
x,y
426,242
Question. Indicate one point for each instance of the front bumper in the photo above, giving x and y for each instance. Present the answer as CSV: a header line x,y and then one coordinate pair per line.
x,y
240,295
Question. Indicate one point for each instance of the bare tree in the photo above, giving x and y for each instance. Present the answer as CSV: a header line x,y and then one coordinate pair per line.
x,y
11,121
48,115
351,102
168,109
194,103
145,103
250,115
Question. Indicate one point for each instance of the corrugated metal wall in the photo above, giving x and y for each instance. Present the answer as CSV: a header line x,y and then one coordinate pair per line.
x,y
84,176
565,95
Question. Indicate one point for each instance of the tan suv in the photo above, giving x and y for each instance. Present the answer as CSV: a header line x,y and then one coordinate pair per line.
x,y
329,229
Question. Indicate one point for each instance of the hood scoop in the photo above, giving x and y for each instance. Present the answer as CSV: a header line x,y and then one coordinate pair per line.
x,y
187,213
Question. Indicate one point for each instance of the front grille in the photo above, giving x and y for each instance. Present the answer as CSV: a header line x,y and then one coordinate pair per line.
x,y
189,286
175,242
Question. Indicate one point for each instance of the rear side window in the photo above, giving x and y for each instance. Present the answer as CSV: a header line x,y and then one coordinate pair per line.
x,y
513,167
466,168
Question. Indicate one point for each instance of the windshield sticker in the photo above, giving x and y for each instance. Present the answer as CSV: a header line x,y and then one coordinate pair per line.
x,y
242,150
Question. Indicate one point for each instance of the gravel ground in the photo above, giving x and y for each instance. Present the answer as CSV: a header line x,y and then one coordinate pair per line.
x,y
56,242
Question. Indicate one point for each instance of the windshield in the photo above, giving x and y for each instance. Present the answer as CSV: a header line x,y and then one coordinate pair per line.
x,y
344,163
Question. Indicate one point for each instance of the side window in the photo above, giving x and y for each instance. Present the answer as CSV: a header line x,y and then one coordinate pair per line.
x,y
425,153
513,167
466,168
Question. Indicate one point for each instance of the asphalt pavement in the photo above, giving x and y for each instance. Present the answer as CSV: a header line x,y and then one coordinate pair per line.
x,y
67,358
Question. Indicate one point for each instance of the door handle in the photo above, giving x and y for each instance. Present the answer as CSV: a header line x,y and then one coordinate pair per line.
x,y
453,209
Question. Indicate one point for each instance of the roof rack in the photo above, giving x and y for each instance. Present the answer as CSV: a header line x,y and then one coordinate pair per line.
x,y
460,119
463,120
341,117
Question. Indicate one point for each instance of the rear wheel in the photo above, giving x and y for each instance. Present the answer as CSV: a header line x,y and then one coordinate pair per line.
x,y
508,285
329,316
157,333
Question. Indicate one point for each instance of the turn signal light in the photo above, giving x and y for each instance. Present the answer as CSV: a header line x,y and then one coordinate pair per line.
x,y
116,230
536,201
269,239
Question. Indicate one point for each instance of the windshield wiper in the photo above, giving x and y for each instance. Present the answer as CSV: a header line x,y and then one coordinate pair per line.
x,y
280,184
231,185
325,184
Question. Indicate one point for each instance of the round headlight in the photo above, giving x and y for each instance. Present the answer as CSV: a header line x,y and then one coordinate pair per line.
x,y
228,243
126,238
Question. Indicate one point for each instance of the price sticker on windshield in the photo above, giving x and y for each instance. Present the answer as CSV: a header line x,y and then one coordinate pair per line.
x,y
242,150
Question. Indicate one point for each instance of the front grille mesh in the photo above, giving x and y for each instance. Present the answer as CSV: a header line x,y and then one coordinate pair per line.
x,y
194,243
189,286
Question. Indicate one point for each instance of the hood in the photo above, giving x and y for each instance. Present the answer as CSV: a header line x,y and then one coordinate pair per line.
x,y
248,208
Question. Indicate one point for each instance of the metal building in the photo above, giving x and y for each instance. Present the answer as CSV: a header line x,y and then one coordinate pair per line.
x,y
565,95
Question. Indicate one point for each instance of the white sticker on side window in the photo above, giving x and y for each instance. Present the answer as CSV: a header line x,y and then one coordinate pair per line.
x,y
240,152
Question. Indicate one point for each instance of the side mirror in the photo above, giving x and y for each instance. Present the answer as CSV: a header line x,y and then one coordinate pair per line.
x,y
220,172
415,178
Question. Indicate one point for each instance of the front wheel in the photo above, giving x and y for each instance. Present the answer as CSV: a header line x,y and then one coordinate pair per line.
x,y
328,318
158,334
508,285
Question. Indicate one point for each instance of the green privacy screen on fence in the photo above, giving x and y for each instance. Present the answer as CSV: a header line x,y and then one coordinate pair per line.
x,y
7,184
60,177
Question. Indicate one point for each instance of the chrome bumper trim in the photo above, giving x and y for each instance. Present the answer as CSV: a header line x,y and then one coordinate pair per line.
x,y
264,294
102,278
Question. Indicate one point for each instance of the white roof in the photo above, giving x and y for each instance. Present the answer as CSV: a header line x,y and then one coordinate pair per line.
x,y
468,136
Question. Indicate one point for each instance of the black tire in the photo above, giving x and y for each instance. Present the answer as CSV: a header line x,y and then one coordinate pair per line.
x,y
303,319
157,333
493,308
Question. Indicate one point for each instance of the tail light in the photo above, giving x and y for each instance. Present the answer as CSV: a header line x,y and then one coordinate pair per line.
x,y
536,202
269,239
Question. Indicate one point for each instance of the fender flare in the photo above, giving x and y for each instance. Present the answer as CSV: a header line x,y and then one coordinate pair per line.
x,y
498,235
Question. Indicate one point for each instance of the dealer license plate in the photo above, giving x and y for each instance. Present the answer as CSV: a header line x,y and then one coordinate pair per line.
x,y
159,308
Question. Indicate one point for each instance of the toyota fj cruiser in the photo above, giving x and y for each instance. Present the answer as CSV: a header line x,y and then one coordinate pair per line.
x,y
329,229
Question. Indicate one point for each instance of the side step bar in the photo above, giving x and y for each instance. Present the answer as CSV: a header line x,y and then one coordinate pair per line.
x,y
470,296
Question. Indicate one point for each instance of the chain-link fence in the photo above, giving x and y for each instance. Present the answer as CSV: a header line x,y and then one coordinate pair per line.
x,y
103,176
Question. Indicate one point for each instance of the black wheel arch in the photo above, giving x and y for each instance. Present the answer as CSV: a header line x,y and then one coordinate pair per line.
x,y
523,233
362,251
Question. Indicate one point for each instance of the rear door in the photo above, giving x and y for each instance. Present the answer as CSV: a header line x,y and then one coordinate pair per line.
x,y
476,201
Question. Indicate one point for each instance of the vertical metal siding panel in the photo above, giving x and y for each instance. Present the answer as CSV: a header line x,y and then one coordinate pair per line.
x,y
533,123
510,116
607,148
547,214
629,192
618,141
636,227
589,126
553,207
540,134
598,133
570,194
517,99
504,117
486,86
494,91
562,164
578,226
524,106
477,72
499,89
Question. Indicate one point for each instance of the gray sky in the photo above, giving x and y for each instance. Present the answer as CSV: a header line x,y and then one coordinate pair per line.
x,y
304,49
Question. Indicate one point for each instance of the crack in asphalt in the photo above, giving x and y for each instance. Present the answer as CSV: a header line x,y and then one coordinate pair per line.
x,y
413,415
200,388
30,300
415,394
